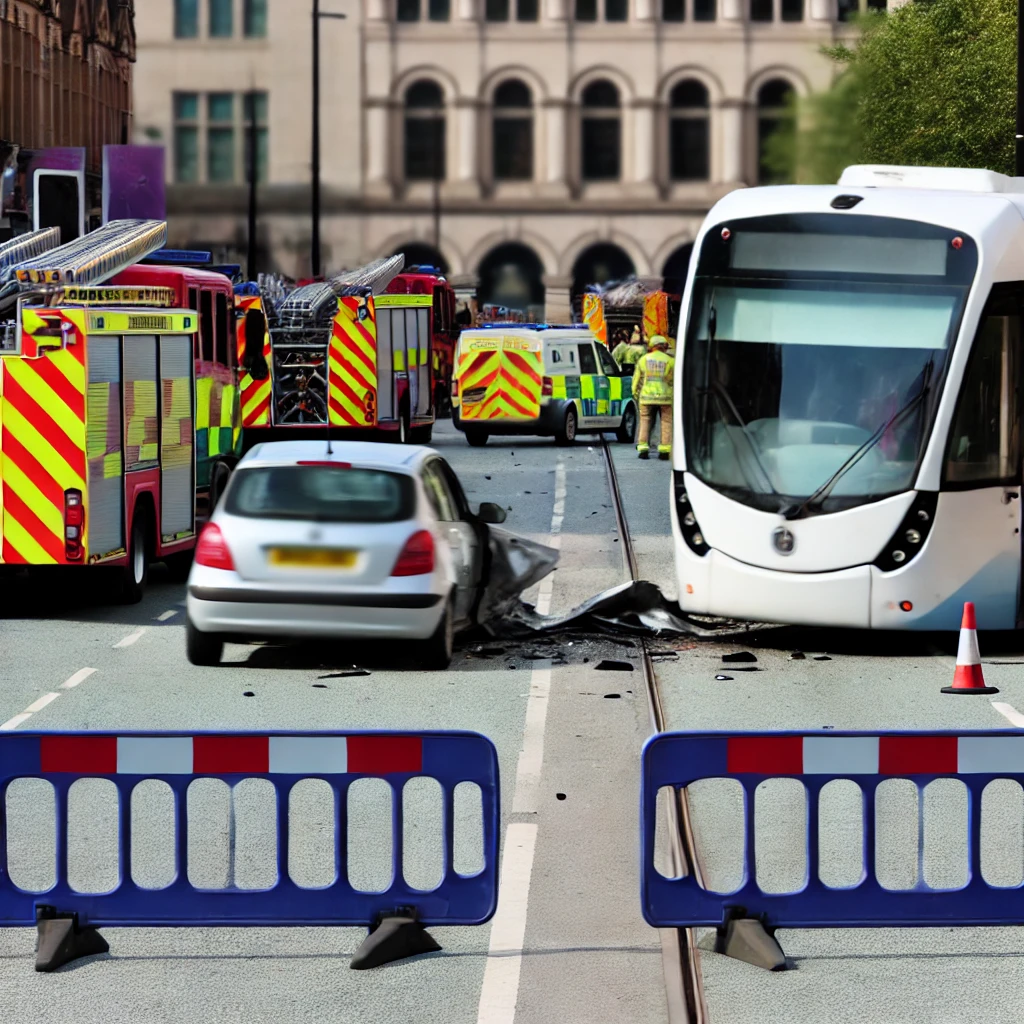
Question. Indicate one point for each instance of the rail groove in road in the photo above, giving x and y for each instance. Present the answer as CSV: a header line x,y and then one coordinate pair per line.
x,y
684,985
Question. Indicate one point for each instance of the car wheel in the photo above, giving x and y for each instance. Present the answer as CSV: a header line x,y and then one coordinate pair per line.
x,y
202,648
476,438
627,429
436,653
135,574
567,435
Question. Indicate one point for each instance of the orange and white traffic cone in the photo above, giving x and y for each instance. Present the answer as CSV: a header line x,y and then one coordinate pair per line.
x,y
968,677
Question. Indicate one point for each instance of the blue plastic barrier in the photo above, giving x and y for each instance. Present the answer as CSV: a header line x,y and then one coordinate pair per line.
x,y
975,758
282,758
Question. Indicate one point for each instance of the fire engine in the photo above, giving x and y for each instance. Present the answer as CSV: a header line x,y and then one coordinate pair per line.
x,y
359,353
118,401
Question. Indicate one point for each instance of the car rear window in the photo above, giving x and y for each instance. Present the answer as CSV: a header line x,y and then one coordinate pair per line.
x,y
327,494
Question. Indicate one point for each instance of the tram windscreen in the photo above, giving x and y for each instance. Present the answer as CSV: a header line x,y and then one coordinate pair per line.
x,y
817,378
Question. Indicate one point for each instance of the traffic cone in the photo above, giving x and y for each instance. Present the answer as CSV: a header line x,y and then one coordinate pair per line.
x,y
968,677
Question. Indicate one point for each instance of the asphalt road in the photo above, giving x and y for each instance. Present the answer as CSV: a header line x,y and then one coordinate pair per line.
x,y
568,943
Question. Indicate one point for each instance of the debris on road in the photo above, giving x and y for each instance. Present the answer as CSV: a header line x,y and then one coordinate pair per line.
x,y
614,666
739,656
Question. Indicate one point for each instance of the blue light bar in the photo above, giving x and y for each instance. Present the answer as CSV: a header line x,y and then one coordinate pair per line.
x,y
180,257
231,270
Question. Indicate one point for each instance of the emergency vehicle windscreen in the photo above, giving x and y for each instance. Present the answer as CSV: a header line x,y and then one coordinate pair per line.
x,y
815,351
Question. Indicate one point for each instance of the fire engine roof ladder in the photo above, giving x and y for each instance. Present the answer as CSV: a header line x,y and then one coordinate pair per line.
x,y
97,256
25,247
312,300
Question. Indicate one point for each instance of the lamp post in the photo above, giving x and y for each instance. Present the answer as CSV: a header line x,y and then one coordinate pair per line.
x,y
315,200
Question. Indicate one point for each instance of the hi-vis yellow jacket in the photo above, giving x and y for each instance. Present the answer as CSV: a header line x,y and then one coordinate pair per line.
x,y
652,378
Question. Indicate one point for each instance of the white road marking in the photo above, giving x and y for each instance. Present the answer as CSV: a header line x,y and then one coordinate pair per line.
x,y
13,723
79,677
500,990
169,614
38,705
130,638
1010,713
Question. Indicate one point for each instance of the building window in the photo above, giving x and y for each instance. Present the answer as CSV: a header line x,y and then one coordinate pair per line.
x,y
221,26
439,10
792,10
513,132
186,137
408,10
705,10
673,10
761,10
586,10
186,19
527,10
616,10
688,132
424,132
774,113
254,19
849,9
220,138
255,113
496,10
601,133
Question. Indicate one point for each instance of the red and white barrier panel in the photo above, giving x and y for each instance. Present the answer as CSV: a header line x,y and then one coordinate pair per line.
x,y
229,755
872,755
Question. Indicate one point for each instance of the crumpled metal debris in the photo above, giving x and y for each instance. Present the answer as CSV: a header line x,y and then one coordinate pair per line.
x,y
515,564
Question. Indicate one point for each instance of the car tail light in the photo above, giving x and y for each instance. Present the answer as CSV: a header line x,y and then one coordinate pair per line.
x,y
547,387
74,522
212,550
417,557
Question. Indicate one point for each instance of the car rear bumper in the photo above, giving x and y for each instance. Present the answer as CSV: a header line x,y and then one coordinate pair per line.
x,y
241,595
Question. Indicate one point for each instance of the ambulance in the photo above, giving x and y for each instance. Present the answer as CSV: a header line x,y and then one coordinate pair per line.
x,y
540,380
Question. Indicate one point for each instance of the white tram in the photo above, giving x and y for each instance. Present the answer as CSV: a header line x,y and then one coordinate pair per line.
x,y
847,446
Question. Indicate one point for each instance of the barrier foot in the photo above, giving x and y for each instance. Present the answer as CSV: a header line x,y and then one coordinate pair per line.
x,y
395,937
60,940
747,939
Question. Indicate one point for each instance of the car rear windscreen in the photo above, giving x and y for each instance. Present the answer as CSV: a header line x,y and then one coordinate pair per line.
x,y
326,494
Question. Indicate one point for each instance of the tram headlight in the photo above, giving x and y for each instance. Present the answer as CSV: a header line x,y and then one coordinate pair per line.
x,y
911,535
688,525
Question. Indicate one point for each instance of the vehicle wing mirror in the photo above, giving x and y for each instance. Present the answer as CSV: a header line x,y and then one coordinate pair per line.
x,y
252,353
491,513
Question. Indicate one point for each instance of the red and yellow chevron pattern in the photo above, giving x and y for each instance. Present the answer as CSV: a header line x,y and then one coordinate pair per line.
x,y
255,393
42,440
656,315
500,384
352,364
593,316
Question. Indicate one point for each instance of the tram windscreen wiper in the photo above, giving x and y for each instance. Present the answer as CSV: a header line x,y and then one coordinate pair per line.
x,y
799,511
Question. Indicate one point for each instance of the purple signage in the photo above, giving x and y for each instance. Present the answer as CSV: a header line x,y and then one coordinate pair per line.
x,y
133,183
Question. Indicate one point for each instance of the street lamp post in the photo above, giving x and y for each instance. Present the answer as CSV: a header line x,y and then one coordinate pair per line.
x,y
315,198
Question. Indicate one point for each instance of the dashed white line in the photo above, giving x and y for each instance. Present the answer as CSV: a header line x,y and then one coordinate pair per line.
x,y
79,677
38,705
130,638
13,723
531,757
1010,713
169,614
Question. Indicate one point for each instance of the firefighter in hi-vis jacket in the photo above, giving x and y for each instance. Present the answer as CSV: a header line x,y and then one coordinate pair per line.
x,y
652,388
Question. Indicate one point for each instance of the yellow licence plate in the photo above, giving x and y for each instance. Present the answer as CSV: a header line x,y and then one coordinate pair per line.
x,y
312,558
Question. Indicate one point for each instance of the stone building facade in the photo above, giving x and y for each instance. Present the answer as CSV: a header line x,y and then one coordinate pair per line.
x,y
527,146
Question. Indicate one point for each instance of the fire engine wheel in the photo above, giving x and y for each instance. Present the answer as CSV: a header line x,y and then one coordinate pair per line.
x,y
202,648
627,429
436,653
136,572
476,438
567,435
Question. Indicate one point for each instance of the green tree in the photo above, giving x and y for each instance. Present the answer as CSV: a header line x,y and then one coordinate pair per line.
x,y
927,84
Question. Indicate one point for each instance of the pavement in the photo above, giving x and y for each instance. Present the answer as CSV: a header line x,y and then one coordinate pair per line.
x,y
568,942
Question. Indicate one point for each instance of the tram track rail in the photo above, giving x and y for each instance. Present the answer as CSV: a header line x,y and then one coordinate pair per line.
x,y
680,954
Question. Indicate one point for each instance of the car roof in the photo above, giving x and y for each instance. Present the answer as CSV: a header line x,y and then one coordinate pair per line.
x,y
365,454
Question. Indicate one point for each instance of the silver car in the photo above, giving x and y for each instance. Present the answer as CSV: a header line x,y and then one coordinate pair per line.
x,y
367,541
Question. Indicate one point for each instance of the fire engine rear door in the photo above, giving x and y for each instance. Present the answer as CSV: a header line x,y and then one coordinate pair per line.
x,y
386,362
104,453
177,433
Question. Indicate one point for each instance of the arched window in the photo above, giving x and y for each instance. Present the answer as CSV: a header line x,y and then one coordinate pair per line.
x,y
761,10
792,10
601,133
688,132
774,114
424,132
513,132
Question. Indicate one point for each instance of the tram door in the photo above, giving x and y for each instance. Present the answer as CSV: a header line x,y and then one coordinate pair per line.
x,y
983,473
